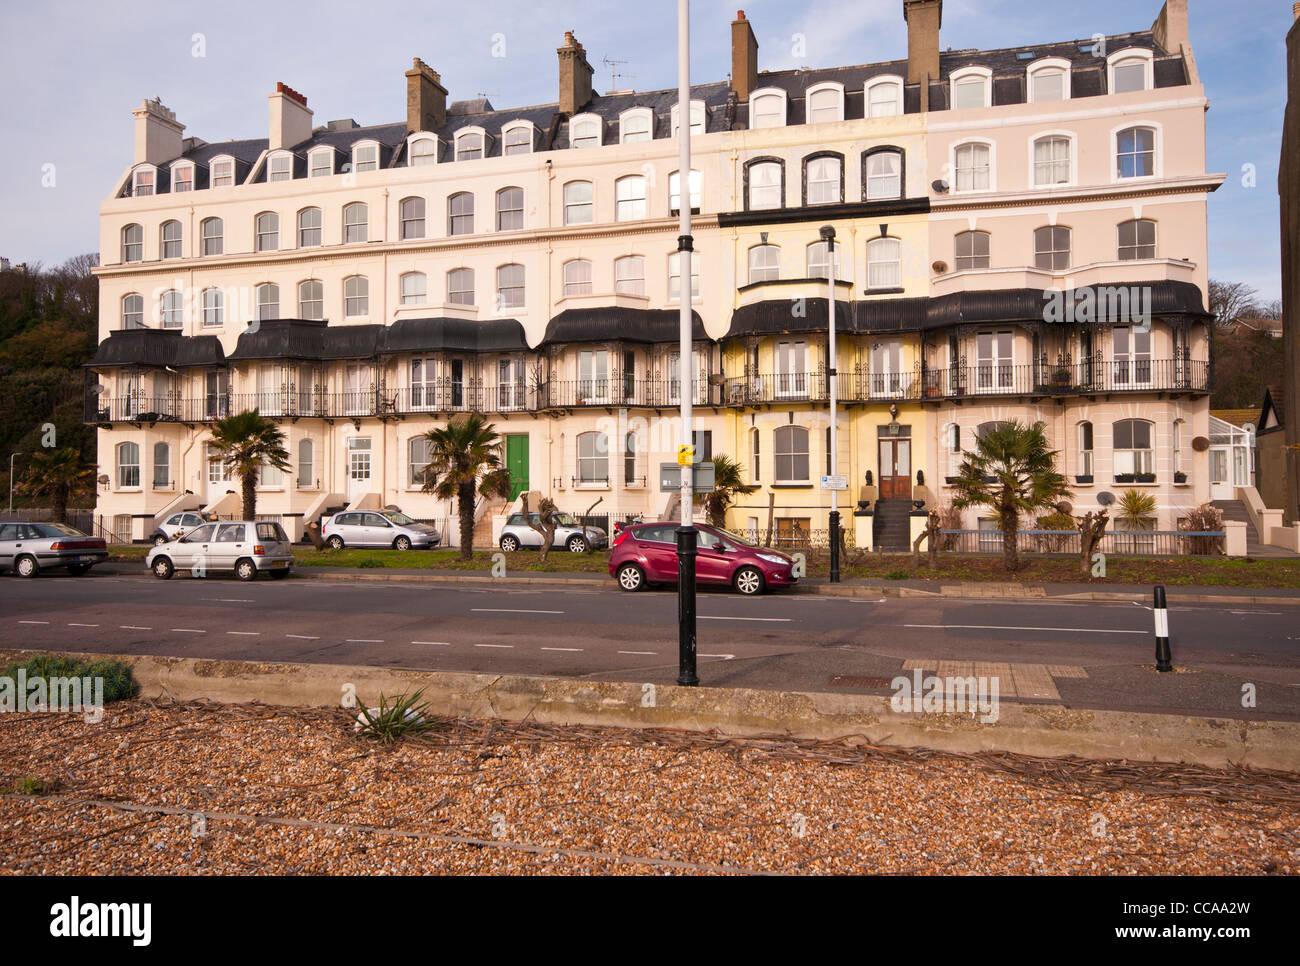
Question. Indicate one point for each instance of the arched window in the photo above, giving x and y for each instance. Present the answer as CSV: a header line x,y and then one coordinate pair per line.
x,y
764,263
577,277
585,131
170,312
510,286
143,180
823,180
320,163
306,461
952,453
593,459
133,311
629,198
267,229
882,174
1052,248
1135,152
365,156
825,102
675,192
311,299
790,454
764,184
1048,80
356,222
411,216
211,231
162,466
221,172
971,87
629,275
579,203
128,465
1133,454
1085,452
884,263
422,151
460,286
767,108
635,124
1178,429
1137,239
414,288
470,145
267,297
818,260
169,239
356,296
132,243
698,119
1051,161
309,228
675,276
214,307
510,209
973,165
182,177
518,138
971,250
983,429
1130,70
755,461
279,167
884,96
460,214
417,458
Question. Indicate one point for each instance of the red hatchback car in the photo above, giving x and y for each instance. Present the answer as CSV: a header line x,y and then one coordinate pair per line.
x,y
646,553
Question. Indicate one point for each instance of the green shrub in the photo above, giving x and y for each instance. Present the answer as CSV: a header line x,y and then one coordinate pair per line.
x,y
30,786
407,715
119,683
897,575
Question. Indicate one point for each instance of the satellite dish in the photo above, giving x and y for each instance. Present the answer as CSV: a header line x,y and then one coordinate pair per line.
x,y
940,186
98,388
1105,498
103,479
1200,444
940,267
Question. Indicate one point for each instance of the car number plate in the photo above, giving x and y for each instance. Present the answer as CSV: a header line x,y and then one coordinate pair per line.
x,y
279,563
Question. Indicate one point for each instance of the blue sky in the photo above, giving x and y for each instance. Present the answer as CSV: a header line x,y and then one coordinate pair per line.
x,y
79,68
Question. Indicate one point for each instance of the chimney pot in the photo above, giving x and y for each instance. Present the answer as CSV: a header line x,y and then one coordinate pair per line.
x,y
290,118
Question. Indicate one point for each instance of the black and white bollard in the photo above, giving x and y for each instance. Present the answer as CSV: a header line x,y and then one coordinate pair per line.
x,y
1164,657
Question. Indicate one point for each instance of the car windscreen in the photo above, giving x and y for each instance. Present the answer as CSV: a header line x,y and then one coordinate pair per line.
x,y
399,518
56,530
565,519
735,538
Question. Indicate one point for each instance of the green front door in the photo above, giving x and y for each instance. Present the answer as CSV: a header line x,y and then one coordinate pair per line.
x,y
517,463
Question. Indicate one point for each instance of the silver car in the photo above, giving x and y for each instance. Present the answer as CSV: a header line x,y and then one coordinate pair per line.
x,y
176,525
242,547
30,548
569,534
378,528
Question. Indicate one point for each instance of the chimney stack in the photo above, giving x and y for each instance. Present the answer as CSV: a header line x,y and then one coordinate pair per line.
x,y
924,18
1295,10
744,57
157,133
426,98
1170,28
575,75
290,118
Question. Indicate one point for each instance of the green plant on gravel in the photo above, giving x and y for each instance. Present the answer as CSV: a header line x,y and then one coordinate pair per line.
x,y
29,786
896,575
406,716
119,682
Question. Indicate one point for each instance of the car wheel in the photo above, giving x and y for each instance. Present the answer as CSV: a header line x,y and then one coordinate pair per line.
x,y
78,570
577,544
246,570
509,543
748,581
159,539
26,566
279,574
335,542
402,543
630,577
163,568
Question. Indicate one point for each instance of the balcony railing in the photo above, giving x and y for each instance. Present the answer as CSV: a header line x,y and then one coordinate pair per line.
x,y
996,379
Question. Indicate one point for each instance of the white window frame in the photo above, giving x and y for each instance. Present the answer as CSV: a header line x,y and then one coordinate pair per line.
x,y
582,120
993,166
881,81
832,86
1069,252
790,369
403,220
896,153
299,229
359,146
470,290
499,210
364,223
775,92
1155,244
594,459
695,277
523,287
577,285
793,432
259,233
1137,363
764,262
510,129
995,372
697,191
472,214
356,297
699,111
1158,152
470,131
126,465
163,239
271,160
258,303
779,186
148,169
593,375
965,74
1047,64
629,183
215,163
421,138
219,237
624,279
898,262
135,313
1073,153
1131,53
212,302
125,243
177,167
581,204
171,303
888,374
640,114
306,461
312,166
413,297
319,301
956,256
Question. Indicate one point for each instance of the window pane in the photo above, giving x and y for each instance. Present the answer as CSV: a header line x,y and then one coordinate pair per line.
x,y
823,181
1130,75
510,209
884,175
969,93
629,275
460,286
579,208
765,185
1049,85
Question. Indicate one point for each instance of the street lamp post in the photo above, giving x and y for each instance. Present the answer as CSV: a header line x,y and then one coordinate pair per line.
x,y
686,537
12,457
828,234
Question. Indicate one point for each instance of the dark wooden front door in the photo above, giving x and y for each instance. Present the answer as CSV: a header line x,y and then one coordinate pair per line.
x,y
895,468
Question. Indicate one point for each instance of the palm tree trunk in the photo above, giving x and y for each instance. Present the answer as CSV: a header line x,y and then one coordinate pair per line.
x,y
465,508
249,487
1010,535
59,497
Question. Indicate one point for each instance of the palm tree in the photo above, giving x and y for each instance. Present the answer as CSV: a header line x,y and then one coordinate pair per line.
x,y
727,483
248,441
465,459
60,474
1012,471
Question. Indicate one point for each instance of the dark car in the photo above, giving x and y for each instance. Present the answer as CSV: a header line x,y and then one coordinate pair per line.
x,y
646,553
30,548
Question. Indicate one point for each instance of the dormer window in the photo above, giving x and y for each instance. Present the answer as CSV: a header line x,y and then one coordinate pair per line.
x,y
635,125
517,138
421,150
698,116
471,144
825,103
280,167
884,96
1048,80
972,87
1130,70
143,180
320,163
767,108
365,157
584,131
182,177
221,172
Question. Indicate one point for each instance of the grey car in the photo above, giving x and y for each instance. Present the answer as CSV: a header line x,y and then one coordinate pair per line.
x,y
378,528
176,525
568,534
30,548
245,548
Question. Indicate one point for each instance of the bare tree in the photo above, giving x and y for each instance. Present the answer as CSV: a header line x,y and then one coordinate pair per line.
x,y
1230,301
545,523
1092,526
586,537
931,532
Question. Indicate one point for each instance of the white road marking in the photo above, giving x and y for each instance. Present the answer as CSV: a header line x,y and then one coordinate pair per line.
x,y
230,600
725,657
133,627
1007,627
187,630
362,640
512,610
1252,613
245,633
434,643
770,620
563,649
70,624
495,645
33,622
303,637
639,652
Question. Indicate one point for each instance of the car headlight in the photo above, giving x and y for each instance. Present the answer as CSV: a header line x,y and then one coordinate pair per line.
x,y
772,558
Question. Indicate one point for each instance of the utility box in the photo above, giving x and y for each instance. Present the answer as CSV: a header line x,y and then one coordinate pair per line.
x,y
702,477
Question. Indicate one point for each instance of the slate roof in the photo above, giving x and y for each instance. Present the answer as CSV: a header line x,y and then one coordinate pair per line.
x,y
620,324
156,348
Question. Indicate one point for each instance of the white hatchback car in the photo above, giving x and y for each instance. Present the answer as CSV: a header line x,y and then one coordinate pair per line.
x,y
243,547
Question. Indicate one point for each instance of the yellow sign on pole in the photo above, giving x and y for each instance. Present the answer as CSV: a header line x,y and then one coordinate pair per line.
x,y
685,455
